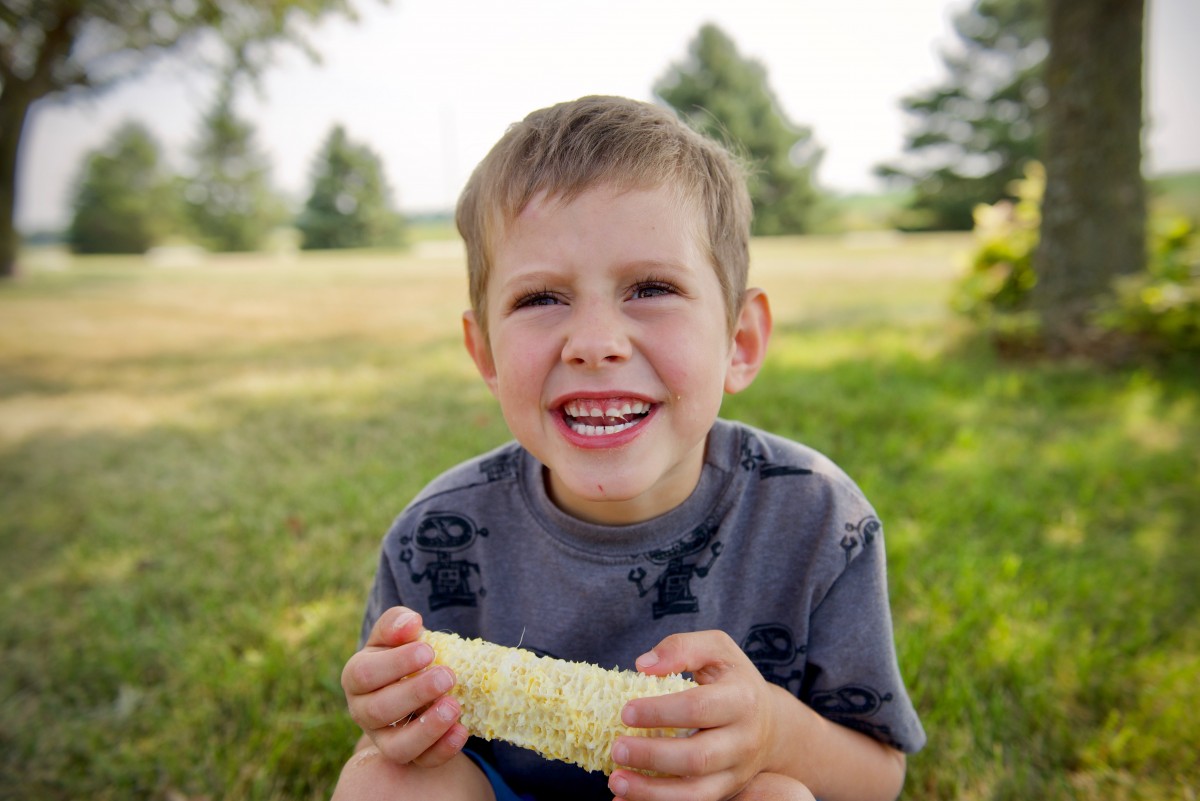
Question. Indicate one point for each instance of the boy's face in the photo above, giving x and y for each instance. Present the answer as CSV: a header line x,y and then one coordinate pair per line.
x,y
608,304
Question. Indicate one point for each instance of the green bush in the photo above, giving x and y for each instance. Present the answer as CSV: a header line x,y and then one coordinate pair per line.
x,y
995,290
1161,306
1158,309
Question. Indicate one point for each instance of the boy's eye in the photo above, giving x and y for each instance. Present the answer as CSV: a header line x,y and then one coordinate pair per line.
x,y
652,289
541,298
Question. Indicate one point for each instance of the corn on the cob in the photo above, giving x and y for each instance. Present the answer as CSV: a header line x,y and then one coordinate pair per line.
x,y
570,711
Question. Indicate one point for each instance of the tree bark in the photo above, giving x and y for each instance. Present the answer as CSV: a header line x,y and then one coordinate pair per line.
x,y
1094,208
18,94
14,109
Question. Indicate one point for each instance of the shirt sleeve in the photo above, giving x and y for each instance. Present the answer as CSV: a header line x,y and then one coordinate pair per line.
x,y
852,676
385,594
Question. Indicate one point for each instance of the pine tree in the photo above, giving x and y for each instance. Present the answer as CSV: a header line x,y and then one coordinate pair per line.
x,y
123,200
230,203
727,97
973,135
350,204
50,47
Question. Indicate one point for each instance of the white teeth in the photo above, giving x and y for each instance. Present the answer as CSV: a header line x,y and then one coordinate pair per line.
x,y
596,431
577,411
581,409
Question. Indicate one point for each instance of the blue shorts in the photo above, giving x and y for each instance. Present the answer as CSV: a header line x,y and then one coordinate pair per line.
x,y
499,786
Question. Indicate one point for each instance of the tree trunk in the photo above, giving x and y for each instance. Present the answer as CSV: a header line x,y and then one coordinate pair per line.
x,y
14,109
1094,208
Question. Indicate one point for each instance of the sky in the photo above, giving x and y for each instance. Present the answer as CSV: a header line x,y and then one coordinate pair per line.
x,y
430,85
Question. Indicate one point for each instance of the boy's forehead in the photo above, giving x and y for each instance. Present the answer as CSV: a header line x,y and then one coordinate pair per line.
x,y
626,225
544,202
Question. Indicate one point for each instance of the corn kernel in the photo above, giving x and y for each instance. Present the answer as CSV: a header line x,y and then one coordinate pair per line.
x,y
569,711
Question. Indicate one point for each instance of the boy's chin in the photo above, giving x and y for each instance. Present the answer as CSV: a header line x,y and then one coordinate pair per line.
x,y
598,491
610,500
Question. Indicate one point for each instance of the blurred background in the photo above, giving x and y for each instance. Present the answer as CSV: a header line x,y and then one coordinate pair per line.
x,y
429,87
230,353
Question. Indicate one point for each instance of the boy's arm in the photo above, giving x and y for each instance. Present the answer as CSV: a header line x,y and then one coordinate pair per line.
x,y
833,761
747,726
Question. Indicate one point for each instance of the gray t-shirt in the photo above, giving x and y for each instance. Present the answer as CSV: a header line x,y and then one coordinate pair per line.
x,y
776,546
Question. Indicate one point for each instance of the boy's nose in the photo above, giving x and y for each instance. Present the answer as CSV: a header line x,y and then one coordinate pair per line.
x,y
596,337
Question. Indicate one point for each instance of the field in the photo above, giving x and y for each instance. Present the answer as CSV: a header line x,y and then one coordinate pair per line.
x,y
197,463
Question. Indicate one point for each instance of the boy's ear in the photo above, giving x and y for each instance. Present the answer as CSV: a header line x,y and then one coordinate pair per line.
x,y
481,352
749,341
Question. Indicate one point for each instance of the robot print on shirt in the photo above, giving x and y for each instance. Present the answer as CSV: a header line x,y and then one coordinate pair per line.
x,y
860,535
680,562
852,706
756,461
772,649
441,535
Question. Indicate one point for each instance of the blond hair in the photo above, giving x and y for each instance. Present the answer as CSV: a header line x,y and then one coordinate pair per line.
x,y
569,148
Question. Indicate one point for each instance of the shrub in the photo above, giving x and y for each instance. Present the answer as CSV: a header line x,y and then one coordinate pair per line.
x,y
1161,306
1158,309
995,289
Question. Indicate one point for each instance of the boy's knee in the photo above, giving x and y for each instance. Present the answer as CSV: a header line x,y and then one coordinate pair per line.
x,y
774,787
367,774
370,776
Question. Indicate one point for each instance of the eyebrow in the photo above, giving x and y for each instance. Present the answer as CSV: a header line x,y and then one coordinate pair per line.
x,y
634,265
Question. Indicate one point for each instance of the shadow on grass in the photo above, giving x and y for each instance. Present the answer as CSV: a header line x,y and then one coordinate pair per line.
x,y
180,597
1044,557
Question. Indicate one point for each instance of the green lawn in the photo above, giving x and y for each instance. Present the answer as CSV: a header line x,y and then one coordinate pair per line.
x,y
197,463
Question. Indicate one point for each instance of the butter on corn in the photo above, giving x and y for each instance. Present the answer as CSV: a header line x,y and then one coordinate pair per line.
x,y
569,711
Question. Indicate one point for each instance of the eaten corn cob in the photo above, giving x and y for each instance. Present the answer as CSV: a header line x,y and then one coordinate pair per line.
x,y
570,711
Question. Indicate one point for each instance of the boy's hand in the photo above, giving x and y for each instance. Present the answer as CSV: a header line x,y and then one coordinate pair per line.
x,y
734,711
398,700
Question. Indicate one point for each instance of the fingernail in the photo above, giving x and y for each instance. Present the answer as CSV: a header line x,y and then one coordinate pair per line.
x,y
446,712
404,620
442,680
620,753
649,659
618,785
629,715
424,655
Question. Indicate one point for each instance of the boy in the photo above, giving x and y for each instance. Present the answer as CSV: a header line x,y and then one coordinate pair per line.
x,y
628,525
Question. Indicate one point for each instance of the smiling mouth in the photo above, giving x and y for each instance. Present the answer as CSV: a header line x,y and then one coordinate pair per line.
x,y
597,418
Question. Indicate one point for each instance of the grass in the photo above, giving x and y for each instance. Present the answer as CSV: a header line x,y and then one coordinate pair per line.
x,y
196,466
1176,193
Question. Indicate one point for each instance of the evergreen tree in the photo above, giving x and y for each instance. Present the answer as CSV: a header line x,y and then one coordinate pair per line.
x,y
350,204
973,135
230,203
50,47
726,96
123,200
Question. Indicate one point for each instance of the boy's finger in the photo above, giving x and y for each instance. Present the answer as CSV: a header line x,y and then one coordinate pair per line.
x,y
395,626
705,654
702,754
427,738
629,786
442,751
370,670
396,703
697,708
